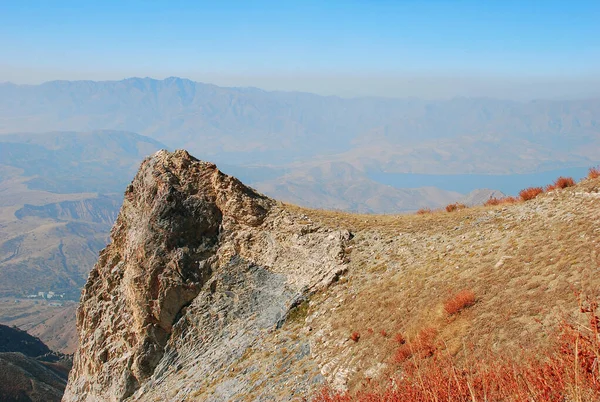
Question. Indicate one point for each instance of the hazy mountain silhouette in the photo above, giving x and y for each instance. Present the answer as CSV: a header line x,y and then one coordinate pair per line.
x,y
249,125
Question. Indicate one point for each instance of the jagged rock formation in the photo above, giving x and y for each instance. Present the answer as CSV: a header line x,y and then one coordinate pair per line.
x,y
199,267
29,370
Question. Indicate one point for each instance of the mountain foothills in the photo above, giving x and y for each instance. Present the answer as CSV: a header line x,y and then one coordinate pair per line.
x,y
60,194
211,291
29,370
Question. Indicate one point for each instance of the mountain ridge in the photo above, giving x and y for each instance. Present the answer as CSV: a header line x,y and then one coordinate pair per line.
x,y
249,298
298,126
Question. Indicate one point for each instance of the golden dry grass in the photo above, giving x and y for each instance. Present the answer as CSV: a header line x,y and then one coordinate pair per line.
x,y
523,261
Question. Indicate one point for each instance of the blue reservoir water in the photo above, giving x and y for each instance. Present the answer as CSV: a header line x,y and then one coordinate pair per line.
x,y
509,184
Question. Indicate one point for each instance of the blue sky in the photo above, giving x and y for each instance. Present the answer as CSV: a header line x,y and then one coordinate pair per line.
x,y
351,47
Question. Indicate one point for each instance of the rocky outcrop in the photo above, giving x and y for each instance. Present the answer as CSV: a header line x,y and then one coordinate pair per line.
x,y
199,267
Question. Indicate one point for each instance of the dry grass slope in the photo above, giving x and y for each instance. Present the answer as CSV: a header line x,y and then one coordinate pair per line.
x,y
524,262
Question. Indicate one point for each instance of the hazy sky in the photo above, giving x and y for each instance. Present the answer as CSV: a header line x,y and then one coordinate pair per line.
x,y
511,49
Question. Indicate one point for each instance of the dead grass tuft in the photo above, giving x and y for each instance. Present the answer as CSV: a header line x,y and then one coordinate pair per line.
x,y
455,207
460,301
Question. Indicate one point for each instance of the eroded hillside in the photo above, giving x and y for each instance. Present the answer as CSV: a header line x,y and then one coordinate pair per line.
x,y
211,291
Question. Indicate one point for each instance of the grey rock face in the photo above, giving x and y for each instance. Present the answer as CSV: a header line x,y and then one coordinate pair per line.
x,y
199,267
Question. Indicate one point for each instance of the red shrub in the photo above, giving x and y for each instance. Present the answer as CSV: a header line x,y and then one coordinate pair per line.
x,y
424,211
460,301
355,336
594,172
455,207
422,346
383,333
492,201
530,193
403,353
561,182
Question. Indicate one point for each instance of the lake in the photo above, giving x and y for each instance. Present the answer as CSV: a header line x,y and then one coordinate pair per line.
x,y
509,184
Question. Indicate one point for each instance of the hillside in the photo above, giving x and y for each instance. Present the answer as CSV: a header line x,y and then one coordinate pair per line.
x,y
215,292
61,192
341,186
29,370
15,340
52,322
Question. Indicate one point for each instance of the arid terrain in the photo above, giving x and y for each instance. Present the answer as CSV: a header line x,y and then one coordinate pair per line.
x,y
52,322
311,201
251,299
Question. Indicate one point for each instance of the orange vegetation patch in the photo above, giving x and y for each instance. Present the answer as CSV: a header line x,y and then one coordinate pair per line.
x,y
568,370
424,211
455,207
530,193
422,346
460,301
594,172
355,336
561,182
501,201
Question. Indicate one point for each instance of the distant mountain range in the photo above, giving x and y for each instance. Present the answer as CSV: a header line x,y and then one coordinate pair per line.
x,y
242,126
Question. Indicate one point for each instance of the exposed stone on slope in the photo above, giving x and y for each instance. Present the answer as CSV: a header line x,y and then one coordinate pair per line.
x,y
198,266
